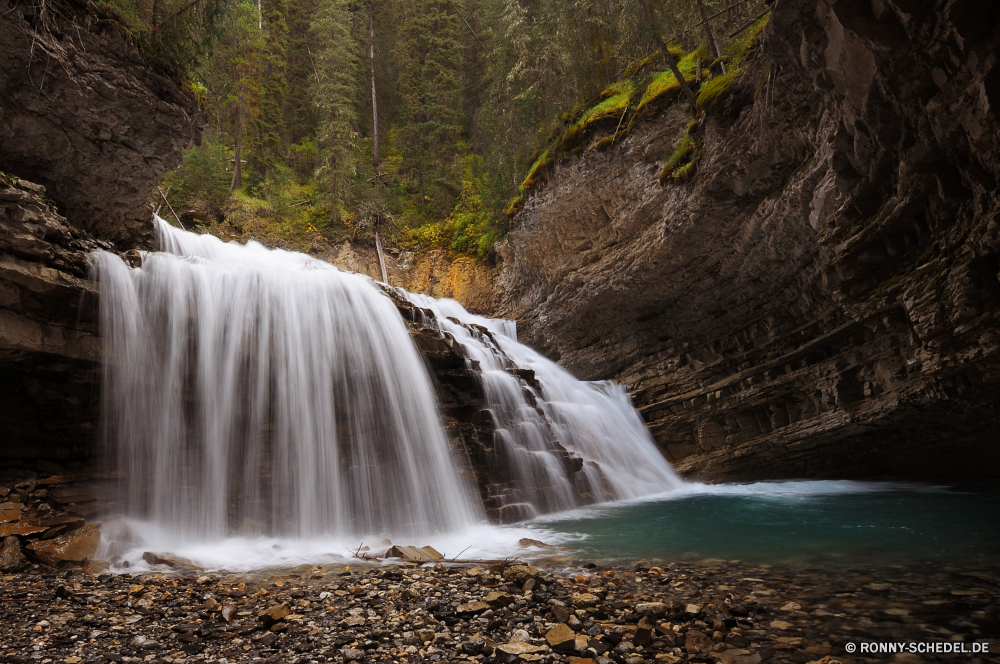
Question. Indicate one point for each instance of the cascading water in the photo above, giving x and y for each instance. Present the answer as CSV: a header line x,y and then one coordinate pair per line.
x,y
537,426
251,391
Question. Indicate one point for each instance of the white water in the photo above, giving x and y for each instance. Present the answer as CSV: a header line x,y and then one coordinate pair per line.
x,y
261,400
594,421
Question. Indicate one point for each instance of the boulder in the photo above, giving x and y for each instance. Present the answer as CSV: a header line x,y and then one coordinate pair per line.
x,y
76,546
11,558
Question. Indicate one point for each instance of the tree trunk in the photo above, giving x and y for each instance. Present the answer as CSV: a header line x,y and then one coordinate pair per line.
x,y
237,167
371,54
381,259
710,34
669,59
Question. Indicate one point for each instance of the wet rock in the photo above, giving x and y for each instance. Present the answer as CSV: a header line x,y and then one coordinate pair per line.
x,y
76,546
11,558
170,560
584,600
496,598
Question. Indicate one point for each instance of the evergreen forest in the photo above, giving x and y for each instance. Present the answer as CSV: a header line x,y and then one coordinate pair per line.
x,y
419,123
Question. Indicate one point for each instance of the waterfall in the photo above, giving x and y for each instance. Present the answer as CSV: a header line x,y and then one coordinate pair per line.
x,y
250,391
565,443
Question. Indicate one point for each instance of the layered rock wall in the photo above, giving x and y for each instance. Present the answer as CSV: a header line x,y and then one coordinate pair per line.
x,y
822,298
84,115
86,129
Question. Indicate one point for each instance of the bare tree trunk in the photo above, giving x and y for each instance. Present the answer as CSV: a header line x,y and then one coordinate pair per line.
x,y
713,43
371,55
260,17
669,59
237,167
381,259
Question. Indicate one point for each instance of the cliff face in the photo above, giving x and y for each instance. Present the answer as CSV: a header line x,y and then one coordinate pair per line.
x,y
822,298
82,114
90,127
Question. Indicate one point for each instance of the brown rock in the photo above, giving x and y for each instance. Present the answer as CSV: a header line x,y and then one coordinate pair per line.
x,y
275,614
643,633
11,558
698,642
584,600
561,637
496,598
413,553
21,528
472,607
8,515
518,574
169,560
76,546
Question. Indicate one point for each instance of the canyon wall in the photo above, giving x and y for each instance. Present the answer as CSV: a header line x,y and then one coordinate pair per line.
x,y
87,127
821,299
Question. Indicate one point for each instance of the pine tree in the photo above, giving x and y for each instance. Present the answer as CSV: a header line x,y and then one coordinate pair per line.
x,y
335,93
431,88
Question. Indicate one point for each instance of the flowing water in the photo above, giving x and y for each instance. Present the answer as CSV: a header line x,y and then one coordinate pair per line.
x,y
272,411
251,392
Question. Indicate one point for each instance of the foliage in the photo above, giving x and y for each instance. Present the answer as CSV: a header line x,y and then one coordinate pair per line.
x,y
477,102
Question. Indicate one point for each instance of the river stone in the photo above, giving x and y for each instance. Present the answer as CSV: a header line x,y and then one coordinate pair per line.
x,y
521,649
518,574
472,607
496,598
75,546
170,560
275,614
692,608
11,558
737,657
643,632
561,637
780,624
698,642
652,609
584,600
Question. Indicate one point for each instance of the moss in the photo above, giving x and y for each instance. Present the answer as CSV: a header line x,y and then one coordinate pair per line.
x,y
716,90
683,163
614,106
515,205
636,67
537,169
664,82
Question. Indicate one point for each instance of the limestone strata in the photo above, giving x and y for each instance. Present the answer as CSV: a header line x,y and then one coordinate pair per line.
x,y
49,351
468,281
84,115
822,298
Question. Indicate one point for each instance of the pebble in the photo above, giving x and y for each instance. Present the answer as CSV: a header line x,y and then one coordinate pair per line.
x,y
435,613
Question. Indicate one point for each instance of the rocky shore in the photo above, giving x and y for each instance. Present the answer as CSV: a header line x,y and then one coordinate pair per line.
x,y
720,612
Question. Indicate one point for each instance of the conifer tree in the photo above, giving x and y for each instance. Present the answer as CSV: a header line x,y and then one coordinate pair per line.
x,y
335,93
431,88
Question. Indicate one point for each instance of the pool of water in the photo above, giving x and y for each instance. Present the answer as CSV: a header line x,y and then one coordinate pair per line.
x,y
840,523
810,523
